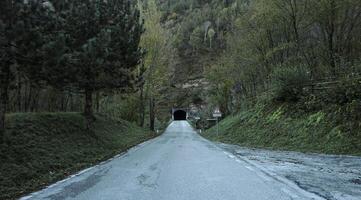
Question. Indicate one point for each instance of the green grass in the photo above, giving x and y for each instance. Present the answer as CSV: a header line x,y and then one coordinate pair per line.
x,y
40,149
277,129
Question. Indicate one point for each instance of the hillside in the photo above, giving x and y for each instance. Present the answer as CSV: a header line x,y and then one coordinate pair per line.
x,y
333,129
285,74
41,148
239,47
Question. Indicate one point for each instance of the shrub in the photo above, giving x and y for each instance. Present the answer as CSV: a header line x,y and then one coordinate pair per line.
x,y
288,83
345,92
180,7
121,107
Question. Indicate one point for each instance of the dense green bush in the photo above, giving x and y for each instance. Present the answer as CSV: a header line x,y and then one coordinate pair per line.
x,y
341,92
289,82
180,7
121,107
345,92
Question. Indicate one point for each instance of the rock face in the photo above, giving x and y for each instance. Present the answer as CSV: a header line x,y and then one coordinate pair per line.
x,y
188,94
201,83
189,85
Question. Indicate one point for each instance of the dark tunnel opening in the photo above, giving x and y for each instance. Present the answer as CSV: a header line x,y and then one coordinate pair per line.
x,y
180,115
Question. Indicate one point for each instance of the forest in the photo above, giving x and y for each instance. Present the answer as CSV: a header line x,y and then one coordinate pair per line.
x,y
65,69
247,48
284,73
58,56
239,51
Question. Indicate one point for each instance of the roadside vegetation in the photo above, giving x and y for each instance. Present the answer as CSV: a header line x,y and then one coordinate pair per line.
x,y
302,119
42,148
320,132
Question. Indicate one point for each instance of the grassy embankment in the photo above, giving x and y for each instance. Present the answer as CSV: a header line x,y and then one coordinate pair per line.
x,y
332,130
40,149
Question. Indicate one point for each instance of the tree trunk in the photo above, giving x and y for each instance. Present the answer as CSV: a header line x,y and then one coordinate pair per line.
x,y
28,98
71,102
97,98
331,33
141,107
151,114
88,109
66,101
3,104
4,86
19,86
35,100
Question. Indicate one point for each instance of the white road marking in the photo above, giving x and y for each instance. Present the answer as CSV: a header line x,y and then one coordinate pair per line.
x,y
265,177
291,194
249,168
229,155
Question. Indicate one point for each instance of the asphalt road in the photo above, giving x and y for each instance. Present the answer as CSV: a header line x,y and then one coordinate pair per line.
x,y
179,165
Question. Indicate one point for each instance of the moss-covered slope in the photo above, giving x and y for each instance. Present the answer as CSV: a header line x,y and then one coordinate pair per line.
x,y
282,127
42,148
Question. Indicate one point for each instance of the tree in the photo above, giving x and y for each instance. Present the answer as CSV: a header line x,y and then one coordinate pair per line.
x,y
141,83
196,39
96,48
339,31
22,28
156,61
211,34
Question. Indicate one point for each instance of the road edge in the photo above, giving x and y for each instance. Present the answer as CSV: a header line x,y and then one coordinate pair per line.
x,y
119,155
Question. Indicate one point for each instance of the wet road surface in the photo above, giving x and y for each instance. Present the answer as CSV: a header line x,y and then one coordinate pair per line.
x,y
179,165
334,177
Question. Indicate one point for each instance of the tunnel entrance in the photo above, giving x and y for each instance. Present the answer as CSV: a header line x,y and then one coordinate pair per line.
x,y
180,115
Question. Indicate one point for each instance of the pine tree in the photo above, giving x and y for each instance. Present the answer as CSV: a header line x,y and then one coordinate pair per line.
x,y
95,48
22,25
